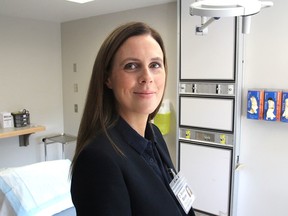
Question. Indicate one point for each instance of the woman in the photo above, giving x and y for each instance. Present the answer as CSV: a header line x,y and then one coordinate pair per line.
x,y
121,161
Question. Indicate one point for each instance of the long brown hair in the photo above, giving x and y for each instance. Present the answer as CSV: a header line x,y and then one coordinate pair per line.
x,y
100,108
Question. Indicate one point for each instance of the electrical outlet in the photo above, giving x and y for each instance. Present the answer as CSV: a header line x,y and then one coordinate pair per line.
x,y
75,87
74,67
76,108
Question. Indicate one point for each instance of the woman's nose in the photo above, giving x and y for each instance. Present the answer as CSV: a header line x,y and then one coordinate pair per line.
x,y
146,76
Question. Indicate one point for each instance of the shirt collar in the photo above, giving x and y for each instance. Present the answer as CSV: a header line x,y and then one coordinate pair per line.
x,y
130,136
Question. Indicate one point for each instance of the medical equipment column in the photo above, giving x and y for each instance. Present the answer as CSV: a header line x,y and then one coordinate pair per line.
x,y
209,100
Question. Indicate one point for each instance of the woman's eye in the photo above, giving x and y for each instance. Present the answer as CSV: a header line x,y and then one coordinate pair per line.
x,y
130,66
155,65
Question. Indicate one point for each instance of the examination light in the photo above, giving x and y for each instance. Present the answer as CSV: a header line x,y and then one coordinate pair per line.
x,y
215,9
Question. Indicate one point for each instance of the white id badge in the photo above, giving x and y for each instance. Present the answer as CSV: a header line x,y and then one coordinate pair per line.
x,y
182,191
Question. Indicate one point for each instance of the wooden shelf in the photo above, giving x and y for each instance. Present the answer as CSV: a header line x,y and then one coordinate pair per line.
x,y
22,132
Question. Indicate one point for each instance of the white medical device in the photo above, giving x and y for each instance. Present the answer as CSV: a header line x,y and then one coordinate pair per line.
x,y
215,9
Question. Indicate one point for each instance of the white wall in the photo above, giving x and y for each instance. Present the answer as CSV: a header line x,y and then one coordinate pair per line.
x,y
81,40
264,145
30,78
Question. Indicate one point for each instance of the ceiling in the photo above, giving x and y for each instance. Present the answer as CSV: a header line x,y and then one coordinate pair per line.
x,y
62,11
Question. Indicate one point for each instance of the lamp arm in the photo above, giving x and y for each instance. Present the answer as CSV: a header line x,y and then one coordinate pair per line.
x,y
206,24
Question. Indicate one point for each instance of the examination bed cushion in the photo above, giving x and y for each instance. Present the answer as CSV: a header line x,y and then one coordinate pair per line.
x,y
37,189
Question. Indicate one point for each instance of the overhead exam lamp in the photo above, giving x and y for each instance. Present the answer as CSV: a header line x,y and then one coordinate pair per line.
x,y
227,8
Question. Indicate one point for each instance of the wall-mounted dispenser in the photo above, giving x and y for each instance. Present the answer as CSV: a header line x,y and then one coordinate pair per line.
x,y
267,104
162,118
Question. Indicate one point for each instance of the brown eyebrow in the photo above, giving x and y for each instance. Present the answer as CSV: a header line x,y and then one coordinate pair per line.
x,y
128,59
157,59
137,60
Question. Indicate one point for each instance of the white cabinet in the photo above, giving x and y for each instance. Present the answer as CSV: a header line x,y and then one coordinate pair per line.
x,y
210,56
207,112
209,172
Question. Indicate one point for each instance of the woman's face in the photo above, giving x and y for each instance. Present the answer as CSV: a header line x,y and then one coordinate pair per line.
x,y
138,76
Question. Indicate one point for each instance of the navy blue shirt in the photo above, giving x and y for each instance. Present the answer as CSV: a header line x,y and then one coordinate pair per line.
x,y
146,147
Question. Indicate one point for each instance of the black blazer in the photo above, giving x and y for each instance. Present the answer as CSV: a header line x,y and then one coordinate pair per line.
x,y
105,182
